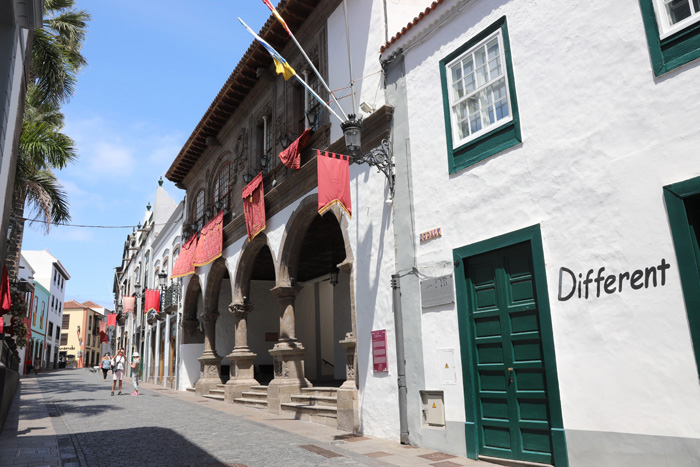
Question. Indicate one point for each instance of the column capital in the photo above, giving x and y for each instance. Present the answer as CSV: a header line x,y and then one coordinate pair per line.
x,y
285,291
345,266
189,326
240,309
210,316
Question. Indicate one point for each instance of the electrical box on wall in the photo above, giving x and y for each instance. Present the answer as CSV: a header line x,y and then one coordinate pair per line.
x,y
433,408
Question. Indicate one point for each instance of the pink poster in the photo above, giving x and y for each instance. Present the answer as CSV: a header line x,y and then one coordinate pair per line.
x,y
379,350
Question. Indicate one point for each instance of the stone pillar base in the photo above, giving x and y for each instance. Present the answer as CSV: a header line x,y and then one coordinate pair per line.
x,y
289,374
242,374
210,376
348,419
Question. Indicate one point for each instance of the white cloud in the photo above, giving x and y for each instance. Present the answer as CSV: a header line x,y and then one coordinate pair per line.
x,y
111,158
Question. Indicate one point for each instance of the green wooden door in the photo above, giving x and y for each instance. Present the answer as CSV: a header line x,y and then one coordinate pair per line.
x,y
513,419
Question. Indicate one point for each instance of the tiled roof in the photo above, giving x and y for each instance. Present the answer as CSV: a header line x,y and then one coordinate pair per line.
x,y
91,304
72,304
408,27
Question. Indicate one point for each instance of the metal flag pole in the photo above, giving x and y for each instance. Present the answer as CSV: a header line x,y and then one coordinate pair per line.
x,y
277,57
347,40
313,67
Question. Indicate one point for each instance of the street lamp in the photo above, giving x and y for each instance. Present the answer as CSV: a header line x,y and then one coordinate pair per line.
x,y
379,157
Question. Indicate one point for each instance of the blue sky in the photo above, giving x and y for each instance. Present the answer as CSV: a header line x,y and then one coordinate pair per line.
x,y
153,69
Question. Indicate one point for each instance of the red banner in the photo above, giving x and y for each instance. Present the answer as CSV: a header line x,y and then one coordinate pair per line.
x,y
291,157
211,240
184,265
333,182
129,304
152,300
112,319
103,337
103,326
254,206
5,300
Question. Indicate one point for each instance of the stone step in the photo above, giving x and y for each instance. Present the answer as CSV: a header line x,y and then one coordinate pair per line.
x,y
320,391
320,414
259,388
251,402
214,396
190,389
255,395
217,392
311,399
221,386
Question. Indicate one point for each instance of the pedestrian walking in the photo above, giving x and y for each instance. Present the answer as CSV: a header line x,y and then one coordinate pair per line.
x,y
106,365
135,369
118,364
29,365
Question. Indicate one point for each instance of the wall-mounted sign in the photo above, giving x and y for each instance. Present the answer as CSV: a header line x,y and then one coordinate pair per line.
x,y
572,284
430,234
437,291
379,350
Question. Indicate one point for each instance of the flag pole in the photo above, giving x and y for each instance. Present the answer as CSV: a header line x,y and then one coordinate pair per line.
x,y
347,39
276,56
313,67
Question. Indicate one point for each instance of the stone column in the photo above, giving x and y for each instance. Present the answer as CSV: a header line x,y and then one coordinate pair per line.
x,y
348,411
156,367
287,353
241,358
211,362
166,353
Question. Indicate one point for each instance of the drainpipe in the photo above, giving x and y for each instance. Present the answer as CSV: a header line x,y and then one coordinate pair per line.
x,y
400,357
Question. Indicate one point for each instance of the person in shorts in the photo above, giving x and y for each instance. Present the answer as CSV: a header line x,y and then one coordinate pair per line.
x,y
118,365
105,365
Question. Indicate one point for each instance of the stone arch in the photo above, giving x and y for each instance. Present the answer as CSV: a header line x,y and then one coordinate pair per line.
x,y
296,230
194,289
246,262
216,274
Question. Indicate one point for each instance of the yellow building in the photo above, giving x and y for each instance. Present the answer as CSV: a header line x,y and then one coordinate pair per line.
x,y
80,334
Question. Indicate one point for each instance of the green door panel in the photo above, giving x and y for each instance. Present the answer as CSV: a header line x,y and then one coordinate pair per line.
x,y
511,386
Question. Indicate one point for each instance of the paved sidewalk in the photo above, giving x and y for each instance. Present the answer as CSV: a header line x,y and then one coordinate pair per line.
x,y
68,418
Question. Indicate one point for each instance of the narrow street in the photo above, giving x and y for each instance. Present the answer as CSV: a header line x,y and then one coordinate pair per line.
x,y
69,418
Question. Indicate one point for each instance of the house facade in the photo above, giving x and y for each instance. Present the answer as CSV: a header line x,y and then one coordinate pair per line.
x,y
81,334
148,257
546,202
51,274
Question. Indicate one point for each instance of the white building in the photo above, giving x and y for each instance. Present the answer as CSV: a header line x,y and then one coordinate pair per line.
x,y
147,253
50,273
555,149
18,19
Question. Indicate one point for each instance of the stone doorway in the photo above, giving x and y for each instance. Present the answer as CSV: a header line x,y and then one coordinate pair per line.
x,y
192,345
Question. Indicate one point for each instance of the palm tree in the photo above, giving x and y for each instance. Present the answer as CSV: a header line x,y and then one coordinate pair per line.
x,y
56,61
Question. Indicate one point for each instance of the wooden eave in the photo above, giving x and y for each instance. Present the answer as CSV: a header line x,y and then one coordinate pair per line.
x,y
241,81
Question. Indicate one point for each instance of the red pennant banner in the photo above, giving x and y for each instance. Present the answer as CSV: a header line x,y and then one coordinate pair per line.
x,y
5,300
103,337
103,326
112,319
291,157
184,265
129,304
254,206
152,300
211,240
333,182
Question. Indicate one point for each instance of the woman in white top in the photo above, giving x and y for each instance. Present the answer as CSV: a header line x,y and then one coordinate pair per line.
x,y
118,364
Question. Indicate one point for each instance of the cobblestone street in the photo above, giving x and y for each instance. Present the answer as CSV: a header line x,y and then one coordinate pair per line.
x,y
69,418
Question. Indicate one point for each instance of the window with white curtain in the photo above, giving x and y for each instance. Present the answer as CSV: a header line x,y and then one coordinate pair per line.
x,y
478,89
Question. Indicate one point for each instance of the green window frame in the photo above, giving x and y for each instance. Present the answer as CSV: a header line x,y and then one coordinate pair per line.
x,y
673,51
501,137
685,235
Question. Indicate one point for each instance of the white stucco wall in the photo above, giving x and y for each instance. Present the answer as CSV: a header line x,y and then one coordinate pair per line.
x,y
601,137
189,365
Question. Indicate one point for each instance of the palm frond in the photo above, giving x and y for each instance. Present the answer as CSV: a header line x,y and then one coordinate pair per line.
x,y
46,199
53,75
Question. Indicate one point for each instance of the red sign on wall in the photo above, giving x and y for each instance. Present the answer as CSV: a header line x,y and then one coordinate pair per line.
x,y
379,358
